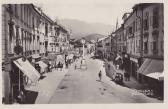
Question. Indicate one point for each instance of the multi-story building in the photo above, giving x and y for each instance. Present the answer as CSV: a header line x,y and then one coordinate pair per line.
x,y
20,34
153,39
132,26
48,32
107,47
153,50
26,32
62,40
99,48
121,40
144,33
114,45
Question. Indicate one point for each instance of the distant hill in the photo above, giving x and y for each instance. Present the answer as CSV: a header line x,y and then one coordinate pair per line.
x,y
81,28
94,37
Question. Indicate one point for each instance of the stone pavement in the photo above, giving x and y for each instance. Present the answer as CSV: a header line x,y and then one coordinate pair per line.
x,y
134,84
47,86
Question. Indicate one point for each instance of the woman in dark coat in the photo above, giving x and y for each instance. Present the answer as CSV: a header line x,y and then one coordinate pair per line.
x,y
126,67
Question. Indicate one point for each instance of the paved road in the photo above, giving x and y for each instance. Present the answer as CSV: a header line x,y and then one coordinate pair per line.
x,y
83,86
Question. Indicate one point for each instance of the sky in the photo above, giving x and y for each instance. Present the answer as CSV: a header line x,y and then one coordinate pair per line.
x,y
100,11
95,11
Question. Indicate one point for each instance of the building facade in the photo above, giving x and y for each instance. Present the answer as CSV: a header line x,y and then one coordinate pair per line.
x,y
144,36
133,35
26,31
107,47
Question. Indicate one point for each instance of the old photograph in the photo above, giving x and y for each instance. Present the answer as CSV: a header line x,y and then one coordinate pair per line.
x,y
82,53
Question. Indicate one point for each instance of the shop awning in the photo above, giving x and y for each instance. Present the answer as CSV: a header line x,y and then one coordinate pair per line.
x,y
52,56
154,66
42,64
144,65
153,69
60,58
118,57
27,69
35,56
156,75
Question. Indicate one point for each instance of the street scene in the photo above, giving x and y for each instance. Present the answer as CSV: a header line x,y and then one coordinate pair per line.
x,y
52,57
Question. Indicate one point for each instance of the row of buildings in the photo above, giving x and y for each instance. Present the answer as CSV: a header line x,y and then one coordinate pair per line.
x,y
141,36
27,32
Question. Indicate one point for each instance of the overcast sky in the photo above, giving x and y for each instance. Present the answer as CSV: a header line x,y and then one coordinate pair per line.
x,y
99,11
96,12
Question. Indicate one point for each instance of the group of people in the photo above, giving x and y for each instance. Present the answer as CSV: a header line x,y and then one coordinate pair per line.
x,y
123,63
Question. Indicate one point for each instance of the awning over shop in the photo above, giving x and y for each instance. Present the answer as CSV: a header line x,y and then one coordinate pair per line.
x,y
27,69
154,66
70,56
60,58
52,56
35,56
153,69
144,65
156,75
42,64
118,57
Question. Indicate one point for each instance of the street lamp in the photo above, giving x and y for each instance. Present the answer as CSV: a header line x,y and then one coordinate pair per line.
x,y
83,42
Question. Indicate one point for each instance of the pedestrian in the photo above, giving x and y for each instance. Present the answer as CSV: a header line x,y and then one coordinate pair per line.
x,y
66,64
108,66
100,75
75,66
61,66
126,67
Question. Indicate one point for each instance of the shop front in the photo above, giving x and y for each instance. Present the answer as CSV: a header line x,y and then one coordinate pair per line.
x,y
134,66
39,65
21,68
151,73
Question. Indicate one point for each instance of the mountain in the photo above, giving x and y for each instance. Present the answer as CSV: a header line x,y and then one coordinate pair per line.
x,y
81,28
93,37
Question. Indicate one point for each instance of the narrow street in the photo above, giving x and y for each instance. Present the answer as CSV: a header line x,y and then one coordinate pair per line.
x,y
83,86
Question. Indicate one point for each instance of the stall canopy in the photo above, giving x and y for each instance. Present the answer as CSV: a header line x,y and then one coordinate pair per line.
x,y
35,56
27,69
144,65
42,64
60,58
118,57
52,56
156,75
153,69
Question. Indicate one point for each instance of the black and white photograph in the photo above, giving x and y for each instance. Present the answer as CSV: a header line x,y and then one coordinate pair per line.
x,y
80,52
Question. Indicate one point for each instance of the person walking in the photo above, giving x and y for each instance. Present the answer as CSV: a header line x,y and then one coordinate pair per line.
x,y
126,67
100,75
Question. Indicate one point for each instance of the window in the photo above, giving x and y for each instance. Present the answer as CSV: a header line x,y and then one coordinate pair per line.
x,y
146,21
146,47
136,23
21,13
46,29
156,17
133,26
146,24
155,50
107,44
16,10
130,30
33,22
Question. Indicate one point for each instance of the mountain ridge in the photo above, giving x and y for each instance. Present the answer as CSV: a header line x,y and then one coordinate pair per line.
x,y
81,29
